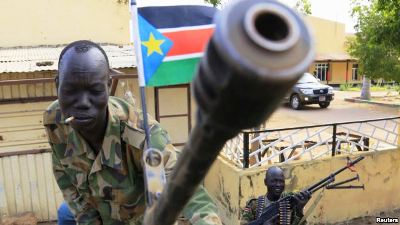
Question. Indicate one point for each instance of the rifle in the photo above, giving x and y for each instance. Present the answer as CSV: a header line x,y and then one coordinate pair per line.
x,y
273,210
258,51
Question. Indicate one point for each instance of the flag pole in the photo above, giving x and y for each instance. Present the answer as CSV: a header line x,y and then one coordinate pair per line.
x,y
139,63
152,159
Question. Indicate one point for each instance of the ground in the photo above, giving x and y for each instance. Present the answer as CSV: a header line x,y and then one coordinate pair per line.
x,y
339,111
388,99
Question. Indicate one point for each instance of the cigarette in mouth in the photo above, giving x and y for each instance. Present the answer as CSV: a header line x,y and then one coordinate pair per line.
x,y
69,119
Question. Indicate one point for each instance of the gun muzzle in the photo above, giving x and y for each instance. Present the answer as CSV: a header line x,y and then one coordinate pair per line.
x,y
259,49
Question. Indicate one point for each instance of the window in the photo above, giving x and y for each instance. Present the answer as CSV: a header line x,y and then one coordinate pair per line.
x,y
321,71
354,72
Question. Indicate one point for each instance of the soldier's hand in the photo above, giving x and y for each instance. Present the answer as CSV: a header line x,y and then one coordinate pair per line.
x,y
302,198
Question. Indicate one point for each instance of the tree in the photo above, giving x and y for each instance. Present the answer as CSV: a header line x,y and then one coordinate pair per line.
x,y
376,44
303,6
214,2
377,41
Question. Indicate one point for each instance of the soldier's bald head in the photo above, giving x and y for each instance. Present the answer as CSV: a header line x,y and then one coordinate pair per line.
x,y
82,56
273,171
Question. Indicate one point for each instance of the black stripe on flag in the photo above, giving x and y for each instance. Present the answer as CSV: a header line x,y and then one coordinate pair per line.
x,y
178,16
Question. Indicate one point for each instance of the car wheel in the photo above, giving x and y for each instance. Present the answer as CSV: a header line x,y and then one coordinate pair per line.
x,y
295,102
324,104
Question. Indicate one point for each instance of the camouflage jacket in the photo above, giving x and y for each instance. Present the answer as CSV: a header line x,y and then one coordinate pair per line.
x,y
249,212
108,188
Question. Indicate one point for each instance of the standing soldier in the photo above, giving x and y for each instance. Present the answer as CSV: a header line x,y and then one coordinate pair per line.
x,y
97,143
275,182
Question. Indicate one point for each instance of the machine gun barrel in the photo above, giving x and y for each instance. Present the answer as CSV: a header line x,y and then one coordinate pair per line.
x,y
259,49
331,178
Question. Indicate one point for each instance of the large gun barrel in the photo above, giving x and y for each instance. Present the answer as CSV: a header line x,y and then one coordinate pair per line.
x,y
259,49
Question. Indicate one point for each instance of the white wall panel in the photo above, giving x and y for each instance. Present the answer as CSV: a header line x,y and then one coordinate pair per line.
x,y
27,184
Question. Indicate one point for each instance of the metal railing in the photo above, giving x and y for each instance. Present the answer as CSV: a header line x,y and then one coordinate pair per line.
x,y
255,148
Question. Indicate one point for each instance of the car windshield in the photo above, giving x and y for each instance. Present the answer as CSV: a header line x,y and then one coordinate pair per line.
x,y
307,78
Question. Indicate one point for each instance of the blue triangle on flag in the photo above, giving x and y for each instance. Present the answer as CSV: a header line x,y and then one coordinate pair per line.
x,y
154,46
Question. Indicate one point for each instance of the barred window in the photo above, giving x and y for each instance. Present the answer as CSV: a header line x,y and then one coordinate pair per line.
x,y
321,71
354,72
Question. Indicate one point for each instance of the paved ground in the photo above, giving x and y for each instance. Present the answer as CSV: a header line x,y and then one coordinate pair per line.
x,y
338,111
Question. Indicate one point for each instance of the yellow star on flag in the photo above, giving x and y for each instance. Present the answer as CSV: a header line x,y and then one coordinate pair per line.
x,y
153,45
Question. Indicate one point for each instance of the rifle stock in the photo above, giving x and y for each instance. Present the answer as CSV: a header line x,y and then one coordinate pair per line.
x,y
259,49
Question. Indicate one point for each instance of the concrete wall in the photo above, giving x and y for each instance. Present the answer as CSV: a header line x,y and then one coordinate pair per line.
x,y
223,184
379,172
44,22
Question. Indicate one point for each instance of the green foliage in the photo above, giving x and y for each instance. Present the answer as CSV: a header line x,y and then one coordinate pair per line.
x,y
377,41
397,88
357,87
379,88
345,87
214,2
303,6
124,2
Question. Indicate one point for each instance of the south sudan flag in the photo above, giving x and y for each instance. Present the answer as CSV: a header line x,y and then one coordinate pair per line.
x,y
172,40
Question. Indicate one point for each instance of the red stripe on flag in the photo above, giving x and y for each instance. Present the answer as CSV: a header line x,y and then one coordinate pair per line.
x,y
188,41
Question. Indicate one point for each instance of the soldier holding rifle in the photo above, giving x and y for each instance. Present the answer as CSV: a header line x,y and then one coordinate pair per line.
x,y
284,209
275,182
97,144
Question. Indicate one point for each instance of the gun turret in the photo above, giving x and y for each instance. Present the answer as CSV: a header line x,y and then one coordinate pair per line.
x,y
259,49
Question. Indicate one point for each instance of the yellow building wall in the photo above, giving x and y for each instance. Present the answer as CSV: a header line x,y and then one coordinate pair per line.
x,y
379,172
338,72
44,22
329,36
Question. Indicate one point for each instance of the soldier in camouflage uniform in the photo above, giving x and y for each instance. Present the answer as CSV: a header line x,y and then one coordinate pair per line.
x,y
275,182
97,156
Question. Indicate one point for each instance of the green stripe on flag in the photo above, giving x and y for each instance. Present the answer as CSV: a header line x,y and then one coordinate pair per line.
x,y
174,72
